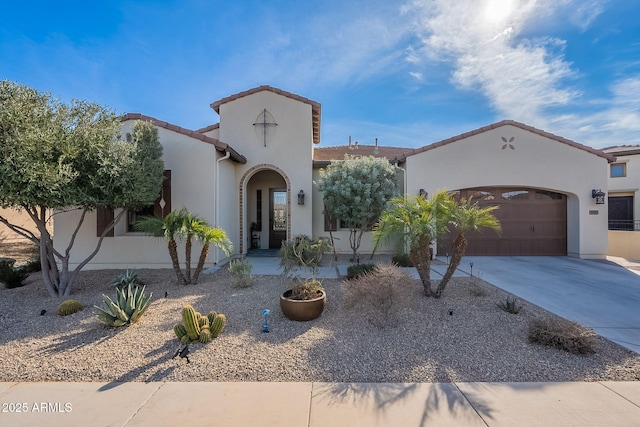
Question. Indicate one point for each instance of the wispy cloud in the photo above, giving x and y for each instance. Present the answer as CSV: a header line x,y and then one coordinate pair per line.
x,y
520,77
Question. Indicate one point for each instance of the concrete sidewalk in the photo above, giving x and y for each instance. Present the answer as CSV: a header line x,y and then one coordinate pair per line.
x,y
320,404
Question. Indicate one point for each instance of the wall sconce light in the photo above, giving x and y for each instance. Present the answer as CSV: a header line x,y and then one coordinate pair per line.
x,y
301,197
599,196
423,193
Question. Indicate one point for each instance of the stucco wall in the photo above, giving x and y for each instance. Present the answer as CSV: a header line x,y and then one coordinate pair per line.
x,y
625,244
289,150
535,161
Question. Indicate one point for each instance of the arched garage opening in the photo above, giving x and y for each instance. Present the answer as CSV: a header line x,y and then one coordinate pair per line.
x,y
534,222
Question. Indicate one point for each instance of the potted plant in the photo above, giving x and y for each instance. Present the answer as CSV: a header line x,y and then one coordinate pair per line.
x,y
307,298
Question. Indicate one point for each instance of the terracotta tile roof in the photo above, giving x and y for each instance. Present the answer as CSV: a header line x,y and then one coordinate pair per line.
x,y
220,146
322,156
315,106
208,128
610,158
622,150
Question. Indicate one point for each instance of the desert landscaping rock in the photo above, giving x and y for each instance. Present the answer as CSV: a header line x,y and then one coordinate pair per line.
x,y
477,342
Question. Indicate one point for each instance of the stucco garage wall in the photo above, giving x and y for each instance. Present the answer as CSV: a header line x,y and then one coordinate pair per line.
x,y
484,159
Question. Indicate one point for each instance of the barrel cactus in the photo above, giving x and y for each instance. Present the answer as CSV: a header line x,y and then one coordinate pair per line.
x,y
68,307
198,328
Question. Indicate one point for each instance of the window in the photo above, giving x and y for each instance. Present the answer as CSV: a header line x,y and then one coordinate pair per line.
x,y
134,216
618,170
160,209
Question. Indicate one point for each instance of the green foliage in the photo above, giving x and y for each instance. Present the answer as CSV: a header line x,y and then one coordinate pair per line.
x,y
510,305
183,225
357,270
33,265
70,156
69,306
130,277
416,221
198,328
306,290
12,276
563,334
302,252
356,190
129,306
402,260
240,269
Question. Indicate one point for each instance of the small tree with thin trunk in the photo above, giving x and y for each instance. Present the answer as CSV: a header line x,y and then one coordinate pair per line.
x,y
183,225
355,192
418,221
467,217
57,157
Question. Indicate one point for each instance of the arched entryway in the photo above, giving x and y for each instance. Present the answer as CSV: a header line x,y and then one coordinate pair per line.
x,y
265,208
534,222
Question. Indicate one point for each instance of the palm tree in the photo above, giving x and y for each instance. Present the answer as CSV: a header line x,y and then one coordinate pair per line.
x,y
170,229
420,221
210,236
191,227
467,217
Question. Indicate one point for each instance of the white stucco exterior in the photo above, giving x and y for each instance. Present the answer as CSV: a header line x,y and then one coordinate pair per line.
x,y
265,141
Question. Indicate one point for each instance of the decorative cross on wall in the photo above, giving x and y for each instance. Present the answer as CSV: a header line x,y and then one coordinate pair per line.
x,y
265,119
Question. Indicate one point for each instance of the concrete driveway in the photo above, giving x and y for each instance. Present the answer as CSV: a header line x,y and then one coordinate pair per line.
x,y
597,294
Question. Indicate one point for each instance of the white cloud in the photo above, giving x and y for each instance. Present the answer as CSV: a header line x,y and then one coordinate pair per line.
x,y
482,41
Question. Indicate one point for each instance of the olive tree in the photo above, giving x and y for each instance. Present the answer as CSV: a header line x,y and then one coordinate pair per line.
x,y
57,157
355,191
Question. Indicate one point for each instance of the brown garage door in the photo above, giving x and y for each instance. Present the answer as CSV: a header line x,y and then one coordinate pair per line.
x,y
534,222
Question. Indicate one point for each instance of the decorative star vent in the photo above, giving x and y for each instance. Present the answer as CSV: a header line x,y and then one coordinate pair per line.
x,y
508,143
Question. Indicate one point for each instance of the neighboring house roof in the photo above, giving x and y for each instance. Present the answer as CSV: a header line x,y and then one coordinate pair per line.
x,y
322,156
315,106
623,150
208,128
220,146
610,158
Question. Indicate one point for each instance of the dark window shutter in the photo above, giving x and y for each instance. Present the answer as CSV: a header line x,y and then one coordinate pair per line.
x,y
162,205
104,218
330,224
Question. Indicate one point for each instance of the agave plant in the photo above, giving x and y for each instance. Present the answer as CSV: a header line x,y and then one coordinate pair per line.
x,y
129,306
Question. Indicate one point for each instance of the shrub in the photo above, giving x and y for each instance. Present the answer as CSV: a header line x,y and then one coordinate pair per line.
x,y
130,277
198,328
402,260
379,294
69,306
11,276
357,270
510,305
33,264
128,308
562,334
240,269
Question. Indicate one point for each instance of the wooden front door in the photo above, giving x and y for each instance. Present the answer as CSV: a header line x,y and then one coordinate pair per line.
x,y
277,217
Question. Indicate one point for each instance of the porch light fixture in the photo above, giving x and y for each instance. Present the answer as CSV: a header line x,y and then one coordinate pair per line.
x,y
423,193
599,196
301,197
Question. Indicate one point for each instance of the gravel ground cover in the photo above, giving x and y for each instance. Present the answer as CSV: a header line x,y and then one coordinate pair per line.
x,y
463,336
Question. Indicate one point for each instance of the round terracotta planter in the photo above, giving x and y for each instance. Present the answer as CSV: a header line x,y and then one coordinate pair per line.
x,y
302,310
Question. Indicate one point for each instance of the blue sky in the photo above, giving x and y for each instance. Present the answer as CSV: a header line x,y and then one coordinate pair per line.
x,y
410,73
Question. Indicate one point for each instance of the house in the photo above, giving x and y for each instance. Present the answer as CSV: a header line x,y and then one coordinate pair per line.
x,y
624,205
252,174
